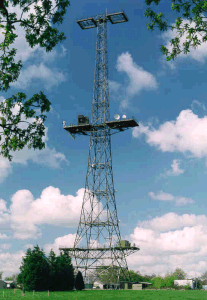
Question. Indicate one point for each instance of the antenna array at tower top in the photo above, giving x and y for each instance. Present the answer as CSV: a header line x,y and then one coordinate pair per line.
x,y
93,22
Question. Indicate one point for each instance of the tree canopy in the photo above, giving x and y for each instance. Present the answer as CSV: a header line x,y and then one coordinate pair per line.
x,y
191,24
158,282
204,277
40,273
169,280
34,270
64,272
106,275
39,30
179,274
134,276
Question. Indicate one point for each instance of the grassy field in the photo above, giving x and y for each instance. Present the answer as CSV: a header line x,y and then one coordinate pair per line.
x,y
110,294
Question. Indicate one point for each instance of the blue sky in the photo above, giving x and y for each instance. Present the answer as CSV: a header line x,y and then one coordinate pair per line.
x,y
159,168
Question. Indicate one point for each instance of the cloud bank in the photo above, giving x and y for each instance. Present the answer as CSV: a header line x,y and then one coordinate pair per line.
x,y
168,242
188,133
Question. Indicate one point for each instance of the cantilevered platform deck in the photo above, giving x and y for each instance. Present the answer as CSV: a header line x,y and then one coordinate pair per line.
x,y
86,129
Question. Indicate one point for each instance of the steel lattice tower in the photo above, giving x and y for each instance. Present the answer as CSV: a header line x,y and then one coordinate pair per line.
x,y
98,241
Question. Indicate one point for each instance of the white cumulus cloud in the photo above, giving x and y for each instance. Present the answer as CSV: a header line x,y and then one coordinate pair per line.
x,y
5,168
173,221
3,236
161,196
138,80
3,205
179,201
175,169
26,214
51,78
188,133
168,242
10,262
66,241
198,104
51,208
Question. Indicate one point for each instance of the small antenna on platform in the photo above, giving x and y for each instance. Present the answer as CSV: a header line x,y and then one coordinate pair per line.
x,y
124,117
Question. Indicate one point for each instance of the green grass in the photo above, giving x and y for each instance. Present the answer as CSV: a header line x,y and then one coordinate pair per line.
x,y
110,294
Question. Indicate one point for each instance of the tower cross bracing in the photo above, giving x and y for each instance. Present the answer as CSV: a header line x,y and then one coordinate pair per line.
x,y
98,244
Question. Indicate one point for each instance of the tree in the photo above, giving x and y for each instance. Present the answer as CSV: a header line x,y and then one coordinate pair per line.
x,y
134,276
169,281
199,283
65,272
203,278
79,283
158,282
34,270
52,260
1,273
107,275
148,277
190,24
61,272
179,274
11,278
8,278
38,31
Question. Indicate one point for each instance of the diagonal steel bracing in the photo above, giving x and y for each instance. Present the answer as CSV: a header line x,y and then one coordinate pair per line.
x,y
97,243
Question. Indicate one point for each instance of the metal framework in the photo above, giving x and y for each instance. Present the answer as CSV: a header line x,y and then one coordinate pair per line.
x,y
98,241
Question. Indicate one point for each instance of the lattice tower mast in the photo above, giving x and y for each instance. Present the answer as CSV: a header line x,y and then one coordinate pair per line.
x,y
97,242
100,222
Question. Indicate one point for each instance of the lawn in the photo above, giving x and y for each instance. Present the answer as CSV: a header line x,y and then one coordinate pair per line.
x,y
110,294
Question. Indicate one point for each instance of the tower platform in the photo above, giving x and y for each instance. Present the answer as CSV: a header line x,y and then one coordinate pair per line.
x,y
86,129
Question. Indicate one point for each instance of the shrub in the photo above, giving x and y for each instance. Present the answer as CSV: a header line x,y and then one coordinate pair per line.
x,y
79,283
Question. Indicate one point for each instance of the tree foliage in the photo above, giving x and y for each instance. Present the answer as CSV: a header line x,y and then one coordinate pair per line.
x,y
107,275
38,31
61,272
34,270
190,24
52,259
64,273
79,283
158,282
169,281
199,283
204,276
134,276
15,137
41,273
179,274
